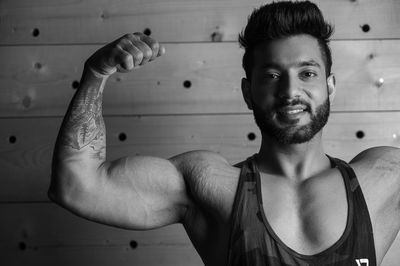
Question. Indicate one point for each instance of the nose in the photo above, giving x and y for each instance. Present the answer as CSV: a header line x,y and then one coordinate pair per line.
x,y
289,87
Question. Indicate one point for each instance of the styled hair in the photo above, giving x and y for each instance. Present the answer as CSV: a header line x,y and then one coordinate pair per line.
x,y
284,19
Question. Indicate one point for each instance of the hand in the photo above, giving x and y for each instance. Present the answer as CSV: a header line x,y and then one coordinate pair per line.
x,y
124,54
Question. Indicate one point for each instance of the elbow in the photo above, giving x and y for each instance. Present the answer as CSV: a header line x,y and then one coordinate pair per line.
x,y
56,194
74,187
59,192
51,194
65,189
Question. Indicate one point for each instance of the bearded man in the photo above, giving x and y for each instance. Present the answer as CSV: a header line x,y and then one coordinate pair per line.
x,y
289,204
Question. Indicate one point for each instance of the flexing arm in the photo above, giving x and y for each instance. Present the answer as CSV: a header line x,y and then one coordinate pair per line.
x,y
133,192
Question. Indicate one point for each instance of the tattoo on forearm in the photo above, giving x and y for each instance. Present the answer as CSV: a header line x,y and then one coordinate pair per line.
x,y
84,125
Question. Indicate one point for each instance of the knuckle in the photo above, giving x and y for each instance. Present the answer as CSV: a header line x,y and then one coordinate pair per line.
x,y
139,55
127,57
129,61
155,46
138,33
147,52
127,36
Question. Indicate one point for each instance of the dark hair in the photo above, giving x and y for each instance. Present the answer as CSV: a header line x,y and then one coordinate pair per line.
x,y
283,19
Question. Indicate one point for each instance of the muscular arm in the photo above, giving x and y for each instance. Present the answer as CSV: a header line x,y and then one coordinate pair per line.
x,y
139,192
378,172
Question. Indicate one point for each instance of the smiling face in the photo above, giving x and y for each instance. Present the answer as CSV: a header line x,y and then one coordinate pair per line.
x,y
288,90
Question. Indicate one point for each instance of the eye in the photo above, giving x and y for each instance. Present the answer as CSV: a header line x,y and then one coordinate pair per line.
x,y
308,74
272,75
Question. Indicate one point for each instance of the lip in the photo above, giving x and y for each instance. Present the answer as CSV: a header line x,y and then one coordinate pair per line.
x,y
292,109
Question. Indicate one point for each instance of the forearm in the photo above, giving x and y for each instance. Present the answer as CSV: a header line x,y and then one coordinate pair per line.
x,y
81,143
83,132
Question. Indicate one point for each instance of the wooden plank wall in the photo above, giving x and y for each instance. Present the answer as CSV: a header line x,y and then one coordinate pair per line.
x,y
43,45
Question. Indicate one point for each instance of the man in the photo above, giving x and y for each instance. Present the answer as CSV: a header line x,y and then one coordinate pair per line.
x,y
289,204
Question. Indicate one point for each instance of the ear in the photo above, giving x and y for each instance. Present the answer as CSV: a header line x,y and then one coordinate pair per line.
x,y
246,91
331,82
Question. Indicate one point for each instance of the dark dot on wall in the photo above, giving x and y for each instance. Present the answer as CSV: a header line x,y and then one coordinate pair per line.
x,y
22,245
360,134
26,102
251,136
158,82
365,28
122,136
216,37
38,65
12,139
75,84
371,56
35,32
147,31
133,244
187,84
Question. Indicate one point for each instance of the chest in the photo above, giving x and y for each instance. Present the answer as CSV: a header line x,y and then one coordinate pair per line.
x,y
309,217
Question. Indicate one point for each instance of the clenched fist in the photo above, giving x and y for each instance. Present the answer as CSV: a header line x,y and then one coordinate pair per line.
x,y
125,54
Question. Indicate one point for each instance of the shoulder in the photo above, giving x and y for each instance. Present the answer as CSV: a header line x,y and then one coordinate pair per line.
x,y
378,172
198,163
382,158
211,180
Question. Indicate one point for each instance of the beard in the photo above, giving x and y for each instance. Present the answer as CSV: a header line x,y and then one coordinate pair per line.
x,y
292,134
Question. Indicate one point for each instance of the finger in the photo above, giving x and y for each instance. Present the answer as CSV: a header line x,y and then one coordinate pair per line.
x,y
123,59
137,54
161,51
142,46
153,44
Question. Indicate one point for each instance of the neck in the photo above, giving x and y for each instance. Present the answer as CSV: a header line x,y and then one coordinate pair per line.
x,y
294,161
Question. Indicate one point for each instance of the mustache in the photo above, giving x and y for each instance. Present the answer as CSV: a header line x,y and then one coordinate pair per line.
x,y
292,102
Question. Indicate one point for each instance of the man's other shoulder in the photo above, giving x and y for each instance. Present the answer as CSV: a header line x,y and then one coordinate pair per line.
x,y
377,159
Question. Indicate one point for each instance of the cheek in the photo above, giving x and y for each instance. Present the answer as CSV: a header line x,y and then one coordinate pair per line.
x,y
263,96
263,100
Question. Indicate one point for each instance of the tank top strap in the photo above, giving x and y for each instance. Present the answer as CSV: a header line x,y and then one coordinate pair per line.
x,y
251,170
347,172
362,234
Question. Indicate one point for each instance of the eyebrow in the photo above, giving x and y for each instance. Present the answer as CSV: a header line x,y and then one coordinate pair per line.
x,y
308,63
298,64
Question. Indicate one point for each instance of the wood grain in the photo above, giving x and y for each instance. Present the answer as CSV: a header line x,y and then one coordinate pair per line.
x,y
95,21
38,80
46,234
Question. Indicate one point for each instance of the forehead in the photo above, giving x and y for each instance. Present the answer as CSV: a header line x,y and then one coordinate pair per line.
x,y
288,51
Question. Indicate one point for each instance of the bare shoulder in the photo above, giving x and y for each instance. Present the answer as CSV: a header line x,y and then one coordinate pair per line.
x,y
378,172
198,160
211,180
202,164
382,159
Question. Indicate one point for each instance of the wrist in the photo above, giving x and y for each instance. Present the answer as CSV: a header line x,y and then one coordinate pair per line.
x,y
98,72
90,73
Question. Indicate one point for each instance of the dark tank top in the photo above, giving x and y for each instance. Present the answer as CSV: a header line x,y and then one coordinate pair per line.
x,y
254,243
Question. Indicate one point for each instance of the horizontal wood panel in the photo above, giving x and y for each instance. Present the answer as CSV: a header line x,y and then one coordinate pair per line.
x,y
92,21
46,234
37,80
26,144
